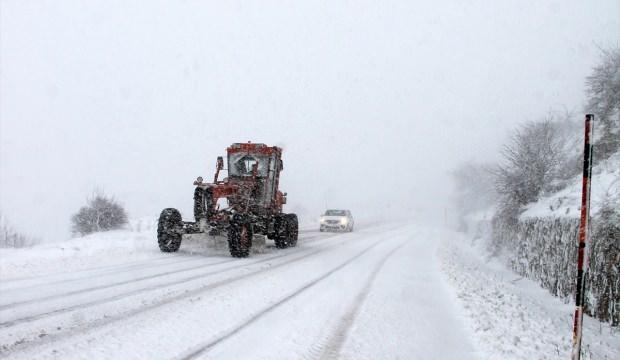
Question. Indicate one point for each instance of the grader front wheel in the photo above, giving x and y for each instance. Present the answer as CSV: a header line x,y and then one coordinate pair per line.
x,y
240,238
287,230
169,229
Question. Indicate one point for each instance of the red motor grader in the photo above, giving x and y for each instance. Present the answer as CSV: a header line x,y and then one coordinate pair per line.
x,y
254,203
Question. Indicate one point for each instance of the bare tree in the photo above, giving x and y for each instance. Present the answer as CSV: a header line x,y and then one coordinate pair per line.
x,y
9,237
101,213
534,163
603,90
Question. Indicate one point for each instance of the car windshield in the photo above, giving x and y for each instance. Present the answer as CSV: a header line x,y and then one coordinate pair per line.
x,y
335,213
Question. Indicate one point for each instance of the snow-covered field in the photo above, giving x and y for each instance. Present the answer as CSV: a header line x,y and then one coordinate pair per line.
x,y
392,291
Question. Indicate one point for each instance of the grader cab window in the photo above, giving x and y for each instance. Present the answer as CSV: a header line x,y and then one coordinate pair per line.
x,y
245,164
242,166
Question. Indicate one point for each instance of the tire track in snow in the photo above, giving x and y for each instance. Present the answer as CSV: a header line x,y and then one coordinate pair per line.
x,y
100,301
104,268
6,349
118,269
110,270
120,283
9,306
201,349
330,348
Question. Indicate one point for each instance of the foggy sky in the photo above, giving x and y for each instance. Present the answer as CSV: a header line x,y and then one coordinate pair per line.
x,y
373,102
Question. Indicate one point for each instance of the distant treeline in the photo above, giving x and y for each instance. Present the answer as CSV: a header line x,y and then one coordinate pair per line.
x,y
9,237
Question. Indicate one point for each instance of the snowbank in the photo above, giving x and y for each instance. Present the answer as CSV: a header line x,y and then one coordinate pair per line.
x,y
512,317
543,245
100,249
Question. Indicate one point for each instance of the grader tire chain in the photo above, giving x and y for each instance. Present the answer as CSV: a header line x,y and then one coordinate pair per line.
x,y
292,229
168,237
281,232
199,203
240,238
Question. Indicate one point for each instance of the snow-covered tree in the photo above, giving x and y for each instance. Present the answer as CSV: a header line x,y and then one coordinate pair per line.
x,y
540,157
534,163
603,91
101,213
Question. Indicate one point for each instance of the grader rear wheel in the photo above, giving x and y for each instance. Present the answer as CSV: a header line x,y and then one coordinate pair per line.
x,y
280,233
292,229
287,230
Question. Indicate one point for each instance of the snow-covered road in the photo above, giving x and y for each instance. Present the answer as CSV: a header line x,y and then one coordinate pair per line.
x,y
377,293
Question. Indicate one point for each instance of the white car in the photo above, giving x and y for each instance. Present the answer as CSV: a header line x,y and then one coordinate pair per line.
x,y
337,220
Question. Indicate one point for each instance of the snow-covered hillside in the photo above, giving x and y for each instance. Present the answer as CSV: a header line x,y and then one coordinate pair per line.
x,y
100,249
567,202
519,267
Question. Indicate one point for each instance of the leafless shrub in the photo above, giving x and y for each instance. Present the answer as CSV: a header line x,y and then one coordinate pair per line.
x,y
10,238
534,163
101,213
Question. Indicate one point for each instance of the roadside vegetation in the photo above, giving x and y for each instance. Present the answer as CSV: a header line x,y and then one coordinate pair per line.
x,y
101,213
542,159
12,238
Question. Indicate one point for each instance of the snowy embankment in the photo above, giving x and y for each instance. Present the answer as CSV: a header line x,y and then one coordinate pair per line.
x,y
136,243
512,317
542,247
567,202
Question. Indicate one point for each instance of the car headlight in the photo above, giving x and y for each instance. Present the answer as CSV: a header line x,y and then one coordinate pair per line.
x,y
322,220
344,221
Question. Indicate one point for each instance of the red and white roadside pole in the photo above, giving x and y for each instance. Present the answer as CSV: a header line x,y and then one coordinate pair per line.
x,y
582,261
